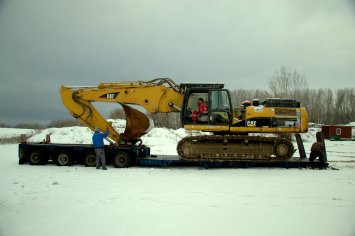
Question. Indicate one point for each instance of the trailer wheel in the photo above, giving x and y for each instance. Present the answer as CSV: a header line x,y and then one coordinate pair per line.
x,y
121,160
90,160
283,149
63,159
36,158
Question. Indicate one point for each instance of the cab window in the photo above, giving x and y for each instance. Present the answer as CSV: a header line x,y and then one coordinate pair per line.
x,y
220,112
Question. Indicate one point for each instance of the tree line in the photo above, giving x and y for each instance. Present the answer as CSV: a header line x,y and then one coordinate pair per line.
x,y
324,106
51,124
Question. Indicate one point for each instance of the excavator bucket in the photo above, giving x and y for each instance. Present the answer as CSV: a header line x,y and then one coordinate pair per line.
x,y
137,124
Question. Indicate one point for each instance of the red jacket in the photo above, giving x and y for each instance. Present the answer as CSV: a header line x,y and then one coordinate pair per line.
x,y
202,108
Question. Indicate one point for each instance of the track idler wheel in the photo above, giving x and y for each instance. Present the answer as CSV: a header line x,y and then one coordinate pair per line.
x,y
283,149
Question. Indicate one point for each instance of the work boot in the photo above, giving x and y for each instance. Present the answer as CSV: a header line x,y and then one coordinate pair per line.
x,y
104,168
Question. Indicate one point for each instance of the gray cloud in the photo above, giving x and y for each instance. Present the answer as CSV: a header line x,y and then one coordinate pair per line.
x,y
44,44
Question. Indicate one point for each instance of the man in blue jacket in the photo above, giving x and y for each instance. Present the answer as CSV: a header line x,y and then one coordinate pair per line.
x,y
98,142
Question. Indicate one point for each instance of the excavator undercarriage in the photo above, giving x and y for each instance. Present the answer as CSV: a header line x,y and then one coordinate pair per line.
x,y
234,148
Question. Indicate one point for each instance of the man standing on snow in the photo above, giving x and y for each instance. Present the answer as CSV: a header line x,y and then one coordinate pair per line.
x,y
98,142
317,150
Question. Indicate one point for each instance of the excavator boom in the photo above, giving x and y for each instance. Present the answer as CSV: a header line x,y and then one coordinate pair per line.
x,y
159,95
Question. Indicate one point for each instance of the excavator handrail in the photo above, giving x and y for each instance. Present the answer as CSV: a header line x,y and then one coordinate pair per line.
x,y
168,81
81,87
134,84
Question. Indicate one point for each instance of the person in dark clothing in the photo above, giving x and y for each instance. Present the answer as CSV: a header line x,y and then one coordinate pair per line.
x,y
317,150
98,142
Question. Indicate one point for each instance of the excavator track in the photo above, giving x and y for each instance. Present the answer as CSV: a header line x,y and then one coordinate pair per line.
x,y
235,148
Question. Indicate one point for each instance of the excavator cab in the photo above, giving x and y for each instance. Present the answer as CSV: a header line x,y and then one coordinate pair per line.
x,y
206,105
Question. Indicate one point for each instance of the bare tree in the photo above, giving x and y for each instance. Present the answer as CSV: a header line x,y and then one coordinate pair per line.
x,y
344,106
339,107
288,83
352,103
329,106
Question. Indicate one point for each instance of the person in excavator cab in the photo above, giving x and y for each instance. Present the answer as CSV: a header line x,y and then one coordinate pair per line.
x,y
201,111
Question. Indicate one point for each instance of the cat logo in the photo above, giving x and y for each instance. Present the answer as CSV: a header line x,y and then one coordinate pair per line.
x,y
109,95
251,123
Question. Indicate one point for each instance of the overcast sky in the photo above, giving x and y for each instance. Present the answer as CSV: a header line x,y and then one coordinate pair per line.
x,y
47,43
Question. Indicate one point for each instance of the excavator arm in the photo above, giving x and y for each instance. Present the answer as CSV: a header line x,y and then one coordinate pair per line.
x,y
159,95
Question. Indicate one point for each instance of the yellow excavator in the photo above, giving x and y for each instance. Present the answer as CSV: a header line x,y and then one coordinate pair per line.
x,y
232,131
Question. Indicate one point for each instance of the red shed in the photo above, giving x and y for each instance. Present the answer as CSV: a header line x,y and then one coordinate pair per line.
x,y
338,131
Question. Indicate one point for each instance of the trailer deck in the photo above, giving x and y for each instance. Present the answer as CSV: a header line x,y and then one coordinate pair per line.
x,y
172,160
68,154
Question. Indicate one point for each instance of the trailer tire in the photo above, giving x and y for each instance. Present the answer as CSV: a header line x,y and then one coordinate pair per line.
x,y
90,159
36,158
63,159
121,160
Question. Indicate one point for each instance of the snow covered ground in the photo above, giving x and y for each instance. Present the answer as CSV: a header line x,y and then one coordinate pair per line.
x,y
52,200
